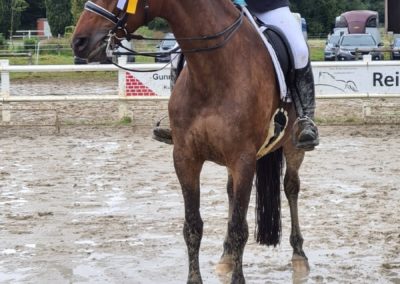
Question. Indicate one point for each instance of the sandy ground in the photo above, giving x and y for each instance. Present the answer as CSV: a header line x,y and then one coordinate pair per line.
x,y
103,205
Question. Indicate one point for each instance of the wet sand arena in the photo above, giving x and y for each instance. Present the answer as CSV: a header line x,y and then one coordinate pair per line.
x,y
103,205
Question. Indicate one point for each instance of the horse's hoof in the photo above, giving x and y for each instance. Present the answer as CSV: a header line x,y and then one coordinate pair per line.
x,y
224,267
300,266
194,281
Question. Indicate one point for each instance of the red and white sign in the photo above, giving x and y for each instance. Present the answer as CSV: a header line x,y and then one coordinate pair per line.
x,y
148,83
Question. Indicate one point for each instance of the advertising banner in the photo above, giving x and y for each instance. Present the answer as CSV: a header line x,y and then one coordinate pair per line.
x,y
365,77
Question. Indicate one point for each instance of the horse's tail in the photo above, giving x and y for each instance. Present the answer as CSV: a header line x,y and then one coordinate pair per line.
x,y
268,198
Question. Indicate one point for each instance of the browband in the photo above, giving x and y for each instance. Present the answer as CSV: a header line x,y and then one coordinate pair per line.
x,y
94,8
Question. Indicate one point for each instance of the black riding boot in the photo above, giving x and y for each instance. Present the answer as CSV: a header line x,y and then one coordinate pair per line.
x,y
305,131
162,134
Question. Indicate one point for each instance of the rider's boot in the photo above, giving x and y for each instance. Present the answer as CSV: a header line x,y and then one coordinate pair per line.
x,y
305,130
162,134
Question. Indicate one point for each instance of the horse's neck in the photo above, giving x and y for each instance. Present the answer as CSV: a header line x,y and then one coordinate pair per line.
x,y
198,17
195,18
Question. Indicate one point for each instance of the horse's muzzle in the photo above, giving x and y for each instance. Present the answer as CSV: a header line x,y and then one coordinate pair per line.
x,y
90,46
79,45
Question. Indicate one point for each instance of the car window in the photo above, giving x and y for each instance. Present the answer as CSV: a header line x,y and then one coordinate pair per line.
x,y
168,44
397,42
334,39
358,41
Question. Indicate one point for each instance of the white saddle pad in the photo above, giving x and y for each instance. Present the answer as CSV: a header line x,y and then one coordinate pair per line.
x,y
279,73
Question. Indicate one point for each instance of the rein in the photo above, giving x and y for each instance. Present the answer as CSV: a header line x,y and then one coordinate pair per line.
x,y
121,22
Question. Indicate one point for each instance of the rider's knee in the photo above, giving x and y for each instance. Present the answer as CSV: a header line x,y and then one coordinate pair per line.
x,y
301,56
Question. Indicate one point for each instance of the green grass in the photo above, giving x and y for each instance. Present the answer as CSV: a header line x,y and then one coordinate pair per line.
x,y
316,49
47,59
126,120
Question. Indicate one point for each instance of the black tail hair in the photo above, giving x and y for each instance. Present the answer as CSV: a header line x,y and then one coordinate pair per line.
x,y
268,198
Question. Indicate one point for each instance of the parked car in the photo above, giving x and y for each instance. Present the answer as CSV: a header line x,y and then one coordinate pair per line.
x,y
128,44
330,47
395,54
354,46
303,24
304,28
167,44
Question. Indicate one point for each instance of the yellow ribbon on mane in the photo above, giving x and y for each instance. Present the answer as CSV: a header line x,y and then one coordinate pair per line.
x,y
132,6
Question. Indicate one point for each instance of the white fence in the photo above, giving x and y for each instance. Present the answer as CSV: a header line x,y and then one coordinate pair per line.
x,y
6,98
361,79
6,69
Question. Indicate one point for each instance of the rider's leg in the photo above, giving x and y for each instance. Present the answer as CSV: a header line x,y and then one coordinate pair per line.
x,y
163,134
306,132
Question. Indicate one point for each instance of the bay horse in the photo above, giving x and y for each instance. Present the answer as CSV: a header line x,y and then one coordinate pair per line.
x,y
220,111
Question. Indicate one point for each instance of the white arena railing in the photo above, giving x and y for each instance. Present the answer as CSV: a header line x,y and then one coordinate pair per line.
x,y
6,69
351,79
333,80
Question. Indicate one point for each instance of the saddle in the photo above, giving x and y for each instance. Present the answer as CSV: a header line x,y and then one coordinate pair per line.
x,y
282,49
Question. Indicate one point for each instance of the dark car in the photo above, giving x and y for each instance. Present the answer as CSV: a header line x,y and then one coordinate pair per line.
x,y
395,54
330,47
354,46
167,44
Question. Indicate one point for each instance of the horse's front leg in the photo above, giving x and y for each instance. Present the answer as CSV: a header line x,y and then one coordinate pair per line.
x,y
294,158
239,188
188,171
226,263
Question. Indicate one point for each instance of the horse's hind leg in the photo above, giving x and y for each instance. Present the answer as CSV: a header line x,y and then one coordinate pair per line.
x,y
239,189
188,172
294,158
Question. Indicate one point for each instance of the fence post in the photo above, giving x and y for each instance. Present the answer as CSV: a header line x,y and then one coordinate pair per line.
x,y
5,91
366,112
123,111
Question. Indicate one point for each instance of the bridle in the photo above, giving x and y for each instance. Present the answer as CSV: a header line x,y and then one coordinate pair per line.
x,y
120,22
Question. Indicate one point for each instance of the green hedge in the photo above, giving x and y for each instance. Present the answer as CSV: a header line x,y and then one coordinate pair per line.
x,y
3,41
30,43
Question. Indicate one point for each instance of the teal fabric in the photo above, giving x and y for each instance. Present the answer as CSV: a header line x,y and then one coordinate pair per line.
x,y
239,2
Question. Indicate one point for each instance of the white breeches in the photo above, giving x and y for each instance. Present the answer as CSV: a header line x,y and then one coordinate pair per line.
x,y
283,19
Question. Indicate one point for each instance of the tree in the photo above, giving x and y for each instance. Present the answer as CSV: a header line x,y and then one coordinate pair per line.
x,y
17,7
10,15
59,15
29,17
379,6
5,17
76,9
